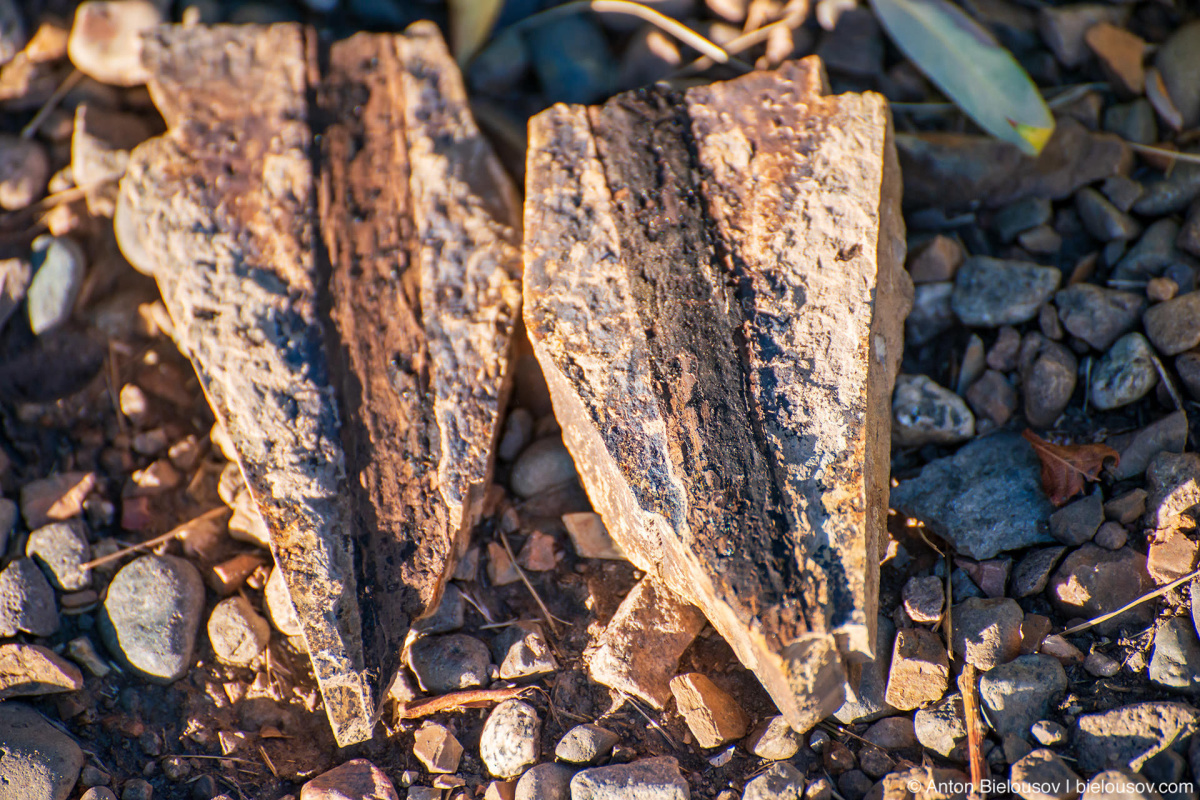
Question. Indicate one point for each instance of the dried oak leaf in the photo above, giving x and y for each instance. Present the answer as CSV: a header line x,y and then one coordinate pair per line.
x,y
1065,467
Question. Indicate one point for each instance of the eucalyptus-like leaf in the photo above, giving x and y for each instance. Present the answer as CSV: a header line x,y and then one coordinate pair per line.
x,y
471,22
967,63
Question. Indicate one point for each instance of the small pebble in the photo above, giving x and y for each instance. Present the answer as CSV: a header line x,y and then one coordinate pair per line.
x,y
238,633
926,413
29,669
1096,314
923,599
450,662
26,600
587,744
1078,521
522,652
1101,665
1125,374
987,632
590,537
152,613
656,778
105,42
435,747
60,548
941,727
542,466
1049,383
545,782
936,261
1174,326
920,669
510,738
713,716
1111,536
279,605
24,171
773,739
517,430
59,267
354,779
1049,732
781,781
990,292
449,614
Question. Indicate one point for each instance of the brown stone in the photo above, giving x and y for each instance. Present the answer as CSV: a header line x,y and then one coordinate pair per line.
x,y
729,415
55,498
28,669
993,397
355,780
713,717
937,261
435,747
1171,556
1093,581
338,251
590,537
920,670
638,651
1121,54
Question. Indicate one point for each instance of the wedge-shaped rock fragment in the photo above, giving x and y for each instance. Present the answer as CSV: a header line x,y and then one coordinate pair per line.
x,y
339,252
714,289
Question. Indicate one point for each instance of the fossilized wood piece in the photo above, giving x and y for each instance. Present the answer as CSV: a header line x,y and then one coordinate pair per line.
x,y
347,305
714,289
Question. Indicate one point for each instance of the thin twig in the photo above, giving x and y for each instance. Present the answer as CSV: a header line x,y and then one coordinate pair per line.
x,y
157,540
1191,158
51,103
974,729
745,42
525,579
1148,596
456,701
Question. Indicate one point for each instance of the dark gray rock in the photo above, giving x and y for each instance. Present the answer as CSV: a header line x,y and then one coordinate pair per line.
x,y
1176,660
1172,193
867,702
510,742
1098,315
59,266
931,313
1134,122
1049,382
926,413
517,430
853,784
13,32
1178,61
855,45
1123,191
1021,692
9,512
1092,581
1018,217
151,615
1112,536
986,499
15,274
60,548
545,782
1127,737
1125,374
37,760
586,744
1102,219
892,733
1078,521
26,600
656,778
1063,28
1174,326
1167,435
987,631
1151,254
522,652
942,728
990,292
449,614
572,59
449,663
542,466
1032,572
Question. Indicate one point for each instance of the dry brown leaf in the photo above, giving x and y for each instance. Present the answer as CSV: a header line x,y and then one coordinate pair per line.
x,y
1065,467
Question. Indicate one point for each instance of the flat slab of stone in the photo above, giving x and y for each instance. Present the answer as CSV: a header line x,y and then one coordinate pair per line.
x,y
339,253
986,499
715,290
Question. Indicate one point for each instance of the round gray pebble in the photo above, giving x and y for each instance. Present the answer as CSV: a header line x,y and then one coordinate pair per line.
x,y
58,277
509,742
26,600
238,633
542,466
1125,374
60,548
152,613
781,781
545,782
586,744
39,760
448,663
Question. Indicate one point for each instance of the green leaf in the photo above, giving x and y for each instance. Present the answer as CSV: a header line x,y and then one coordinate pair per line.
x,y
971,68
470,23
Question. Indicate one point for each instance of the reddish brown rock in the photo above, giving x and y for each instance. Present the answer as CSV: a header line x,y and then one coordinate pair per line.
x,y
920,670
27,669
729,417
713,717
1092,581
355,780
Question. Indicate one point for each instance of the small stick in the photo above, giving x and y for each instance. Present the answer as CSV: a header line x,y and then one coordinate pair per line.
x,y
157,540
1191,158
67,85
974,729
1148,596
267,759
524,579
457,701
